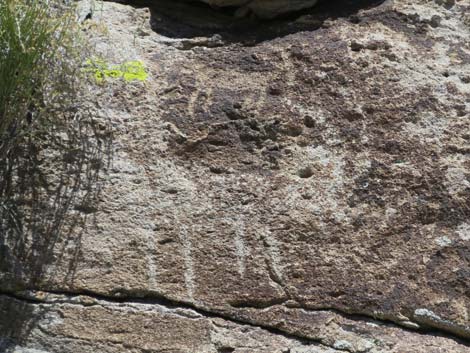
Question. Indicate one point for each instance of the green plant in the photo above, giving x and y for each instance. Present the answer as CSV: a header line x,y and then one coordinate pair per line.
x,y
50,147
37,67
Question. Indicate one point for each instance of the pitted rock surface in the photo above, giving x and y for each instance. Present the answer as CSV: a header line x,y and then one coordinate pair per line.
x,y
308,193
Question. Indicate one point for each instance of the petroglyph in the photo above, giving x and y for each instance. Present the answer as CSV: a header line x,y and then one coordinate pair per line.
x,y
239,226
186,248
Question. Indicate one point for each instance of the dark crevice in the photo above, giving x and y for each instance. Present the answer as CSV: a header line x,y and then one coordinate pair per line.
x,y
363,317
123,297
191,19
149,300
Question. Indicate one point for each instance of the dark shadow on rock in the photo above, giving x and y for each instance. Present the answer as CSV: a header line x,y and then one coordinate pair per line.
x,y
181,19
17,320
49,186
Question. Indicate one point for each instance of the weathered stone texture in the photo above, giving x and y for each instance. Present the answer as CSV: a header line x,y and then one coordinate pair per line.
x,y
308,193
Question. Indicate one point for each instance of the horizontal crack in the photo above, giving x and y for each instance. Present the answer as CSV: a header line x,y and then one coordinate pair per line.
x,y
422,327
154,300
126,297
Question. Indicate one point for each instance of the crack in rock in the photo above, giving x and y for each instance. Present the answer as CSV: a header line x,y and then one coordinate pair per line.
x,y
195,312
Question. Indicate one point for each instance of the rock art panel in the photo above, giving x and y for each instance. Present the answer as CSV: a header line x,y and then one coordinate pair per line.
x,y
303,193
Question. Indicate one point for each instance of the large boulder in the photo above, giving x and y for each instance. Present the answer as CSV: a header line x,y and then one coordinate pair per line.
x,y
308,193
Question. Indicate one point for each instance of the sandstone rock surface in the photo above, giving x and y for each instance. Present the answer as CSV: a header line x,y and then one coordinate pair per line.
x,y
307,193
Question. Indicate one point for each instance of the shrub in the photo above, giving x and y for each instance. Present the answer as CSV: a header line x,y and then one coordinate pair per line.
x,y
37,67
52,144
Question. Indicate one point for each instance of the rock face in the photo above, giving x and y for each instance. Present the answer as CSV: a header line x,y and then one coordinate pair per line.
x,y
308,193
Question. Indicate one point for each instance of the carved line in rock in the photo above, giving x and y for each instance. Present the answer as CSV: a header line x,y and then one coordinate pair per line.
x,y
241,250
151,261
188,261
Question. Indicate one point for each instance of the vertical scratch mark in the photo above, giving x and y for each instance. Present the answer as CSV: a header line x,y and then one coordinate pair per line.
x,y
274,254
240,246
152,267
188,261
193,98
289,69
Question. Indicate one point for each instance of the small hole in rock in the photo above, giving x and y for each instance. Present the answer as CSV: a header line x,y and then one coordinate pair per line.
x,y
225,350
306,172
309,121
